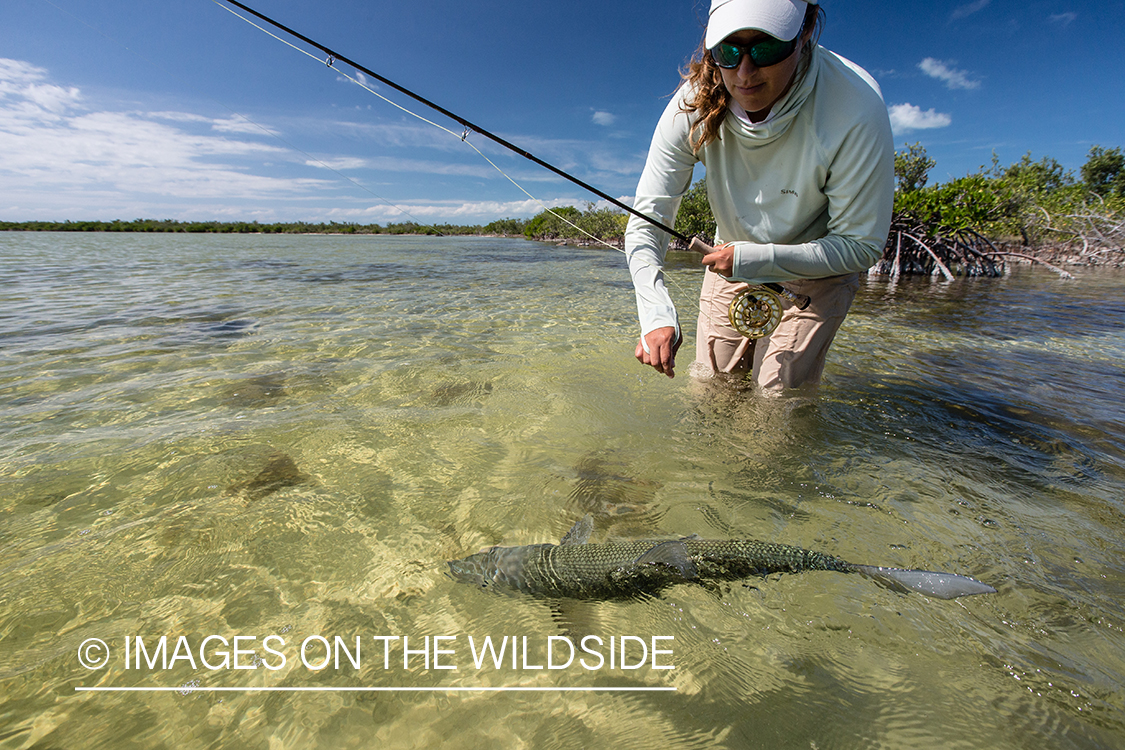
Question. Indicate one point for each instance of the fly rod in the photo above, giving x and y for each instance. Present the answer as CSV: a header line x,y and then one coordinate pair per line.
x,y
694,243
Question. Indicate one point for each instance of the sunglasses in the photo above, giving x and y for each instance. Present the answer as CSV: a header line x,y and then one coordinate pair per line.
x,y
763,54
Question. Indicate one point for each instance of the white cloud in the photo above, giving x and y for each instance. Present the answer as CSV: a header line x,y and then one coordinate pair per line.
x,y
239,124
907,117
54,99
65,156
969,9
479,170
24,94
468,212
953,78
1063,19
55,147
340,163
604,118
17,74
179,117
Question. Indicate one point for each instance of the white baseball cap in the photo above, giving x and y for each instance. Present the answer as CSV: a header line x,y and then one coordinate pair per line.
x,y
780,19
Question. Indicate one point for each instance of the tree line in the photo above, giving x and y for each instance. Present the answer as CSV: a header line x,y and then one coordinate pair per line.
x,y
969,225
567,222
251,227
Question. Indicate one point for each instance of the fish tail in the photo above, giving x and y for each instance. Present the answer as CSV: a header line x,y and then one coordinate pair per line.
x,y
929,583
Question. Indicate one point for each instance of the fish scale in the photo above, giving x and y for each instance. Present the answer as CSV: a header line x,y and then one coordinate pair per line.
x,y
605,570
576,569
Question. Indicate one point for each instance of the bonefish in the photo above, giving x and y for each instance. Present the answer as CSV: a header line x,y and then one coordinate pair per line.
x,y
576,569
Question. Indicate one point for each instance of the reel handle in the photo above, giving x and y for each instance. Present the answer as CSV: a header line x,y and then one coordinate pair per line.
x,y
800,300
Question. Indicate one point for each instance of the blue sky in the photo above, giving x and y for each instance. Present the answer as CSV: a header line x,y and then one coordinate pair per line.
x,y
123,109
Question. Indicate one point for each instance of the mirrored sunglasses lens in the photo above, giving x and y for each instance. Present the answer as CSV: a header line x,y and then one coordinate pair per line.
x,y
770,52
727,55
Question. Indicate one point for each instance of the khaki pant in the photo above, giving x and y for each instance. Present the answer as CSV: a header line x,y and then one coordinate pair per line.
x,y
793,355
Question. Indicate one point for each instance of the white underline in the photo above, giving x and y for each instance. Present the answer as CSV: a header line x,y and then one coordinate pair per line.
x,y
186,689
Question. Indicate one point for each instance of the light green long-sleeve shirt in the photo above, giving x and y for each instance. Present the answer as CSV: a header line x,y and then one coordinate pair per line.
x,y
805,194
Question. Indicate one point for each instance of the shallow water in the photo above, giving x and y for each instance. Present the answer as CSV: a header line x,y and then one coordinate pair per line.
x,y
288,436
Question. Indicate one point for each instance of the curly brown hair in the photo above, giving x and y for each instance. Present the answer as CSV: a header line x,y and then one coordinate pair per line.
x,y
711,95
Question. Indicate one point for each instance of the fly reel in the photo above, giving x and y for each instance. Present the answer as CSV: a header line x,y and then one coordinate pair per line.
x,y
755,312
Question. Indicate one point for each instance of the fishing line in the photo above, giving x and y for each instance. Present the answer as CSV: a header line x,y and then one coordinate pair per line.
x,y
754,313
470,127
338,173
463,136
330,62
258,125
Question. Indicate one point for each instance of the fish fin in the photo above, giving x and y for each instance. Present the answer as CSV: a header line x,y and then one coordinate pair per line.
x,y
689,537
673,554
580,532
929,583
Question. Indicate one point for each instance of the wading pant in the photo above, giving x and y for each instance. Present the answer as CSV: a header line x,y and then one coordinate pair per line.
x,y
790,357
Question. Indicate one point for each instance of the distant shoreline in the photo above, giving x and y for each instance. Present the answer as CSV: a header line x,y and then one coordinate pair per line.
x,y
1058,255
172,226
150,226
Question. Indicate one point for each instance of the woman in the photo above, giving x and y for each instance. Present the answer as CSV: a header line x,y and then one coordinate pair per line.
x,y
800,176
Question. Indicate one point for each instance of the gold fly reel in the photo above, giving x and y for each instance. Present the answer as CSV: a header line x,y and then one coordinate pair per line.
x,y
755,312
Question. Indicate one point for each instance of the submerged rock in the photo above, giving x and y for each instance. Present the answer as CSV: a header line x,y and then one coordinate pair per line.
x,y
279,472
258,391
453,394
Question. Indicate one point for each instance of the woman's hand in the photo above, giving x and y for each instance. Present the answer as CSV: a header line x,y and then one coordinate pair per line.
x,y
662,347
721,260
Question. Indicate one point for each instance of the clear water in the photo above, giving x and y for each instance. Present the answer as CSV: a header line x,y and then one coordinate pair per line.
x,y
246,436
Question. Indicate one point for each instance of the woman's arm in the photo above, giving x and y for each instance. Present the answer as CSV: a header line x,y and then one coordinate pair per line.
x,y
666,177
